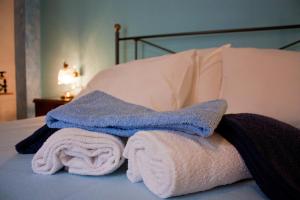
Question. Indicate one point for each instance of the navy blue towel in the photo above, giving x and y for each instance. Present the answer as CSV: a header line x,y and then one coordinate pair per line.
x,y
100,112
34,142
270,149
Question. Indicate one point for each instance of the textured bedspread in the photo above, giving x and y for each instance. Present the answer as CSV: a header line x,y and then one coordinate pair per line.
x,y
17,181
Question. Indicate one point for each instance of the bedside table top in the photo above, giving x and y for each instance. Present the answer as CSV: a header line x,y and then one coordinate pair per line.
x,y
51,100
44,105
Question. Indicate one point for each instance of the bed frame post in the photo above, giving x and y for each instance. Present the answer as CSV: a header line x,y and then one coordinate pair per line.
x,y
117,42
135,49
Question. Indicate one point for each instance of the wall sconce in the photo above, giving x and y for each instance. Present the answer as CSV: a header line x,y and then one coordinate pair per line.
x,y
3,86
67,76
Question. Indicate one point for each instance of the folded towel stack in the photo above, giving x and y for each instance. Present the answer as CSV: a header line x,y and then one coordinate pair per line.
x,y
101,112
80,152
172,164
167,150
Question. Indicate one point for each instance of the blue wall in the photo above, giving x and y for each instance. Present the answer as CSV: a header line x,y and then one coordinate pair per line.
x,y
32,53
81,31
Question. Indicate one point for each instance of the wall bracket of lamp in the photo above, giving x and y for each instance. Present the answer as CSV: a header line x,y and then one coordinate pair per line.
x,y
67,77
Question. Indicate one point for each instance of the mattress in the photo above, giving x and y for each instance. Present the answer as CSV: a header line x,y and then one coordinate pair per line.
x,y
17,181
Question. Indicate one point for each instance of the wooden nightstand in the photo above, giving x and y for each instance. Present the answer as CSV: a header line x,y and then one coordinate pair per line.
x,y
42,106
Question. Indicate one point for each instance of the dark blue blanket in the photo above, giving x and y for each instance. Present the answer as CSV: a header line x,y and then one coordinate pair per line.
x,y
270,149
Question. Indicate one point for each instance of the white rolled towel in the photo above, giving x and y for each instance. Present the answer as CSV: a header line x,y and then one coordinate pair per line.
x,y
172,164
80,152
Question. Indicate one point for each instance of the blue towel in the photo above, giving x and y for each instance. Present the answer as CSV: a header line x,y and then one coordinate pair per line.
x,y
100,112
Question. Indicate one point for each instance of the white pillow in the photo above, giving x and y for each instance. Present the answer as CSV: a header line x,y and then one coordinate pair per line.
x,y
161,83
262,81
208,75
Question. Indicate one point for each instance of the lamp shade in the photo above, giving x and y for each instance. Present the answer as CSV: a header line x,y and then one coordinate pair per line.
x,y
66,76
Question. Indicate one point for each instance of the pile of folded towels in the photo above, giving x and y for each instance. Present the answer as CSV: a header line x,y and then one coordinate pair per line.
x,y
173,153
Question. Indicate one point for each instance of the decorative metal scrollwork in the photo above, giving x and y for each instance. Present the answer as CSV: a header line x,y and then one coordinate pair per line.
x,y
3,85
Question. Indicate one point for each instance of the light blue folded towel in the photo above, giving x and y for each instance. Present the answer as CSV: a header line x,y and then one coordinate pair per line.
x,y
100,112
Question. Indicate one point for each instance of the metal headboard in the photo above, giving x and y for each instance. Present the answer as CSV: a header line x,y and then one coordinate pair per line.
x,y
141,39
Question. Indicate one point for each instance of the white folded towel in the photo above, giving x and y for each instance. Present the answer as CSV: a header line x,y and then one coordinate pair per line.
x,y
172,164
80,152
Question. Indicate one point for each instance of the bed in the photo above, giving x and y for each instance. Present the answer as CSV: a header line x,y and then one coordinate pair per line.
x,y
19,182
